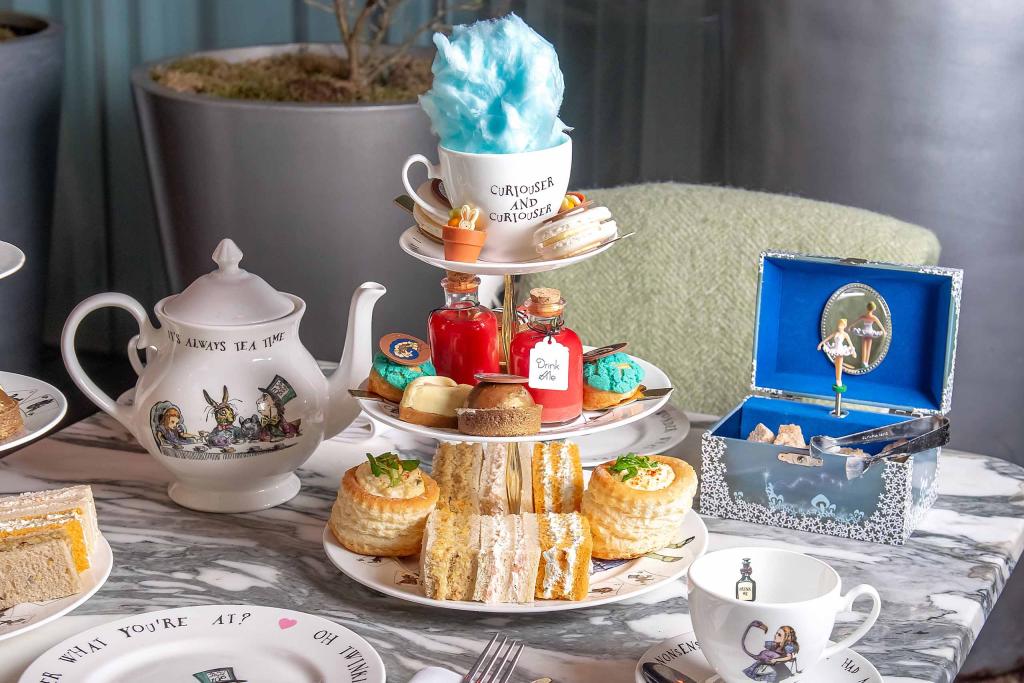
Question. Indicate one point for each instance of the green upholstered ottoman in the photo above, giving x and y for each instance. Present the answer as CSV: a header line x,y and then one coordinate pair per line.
x,y
681,291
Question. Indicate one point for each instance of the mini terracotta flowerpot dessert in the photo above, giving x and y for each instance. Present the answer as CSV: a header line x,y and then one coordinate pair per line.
x,y
462,239
499,405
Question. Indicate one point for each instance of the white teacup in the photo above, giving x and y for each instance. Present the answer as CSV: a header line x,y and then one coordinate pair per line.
x,y
785,629
514,192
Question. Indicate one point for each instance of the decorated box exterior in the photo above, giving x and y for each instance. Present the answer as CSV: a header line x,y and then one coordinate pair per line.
x,y
746,480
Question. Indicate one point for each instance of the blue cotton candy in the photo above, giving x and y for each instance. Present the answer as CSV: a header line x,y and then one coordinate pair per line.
x,y
497,89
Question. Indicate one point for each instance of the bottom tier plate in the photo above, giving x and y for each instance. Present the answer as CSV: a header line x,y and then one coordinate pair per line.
x,y
610,580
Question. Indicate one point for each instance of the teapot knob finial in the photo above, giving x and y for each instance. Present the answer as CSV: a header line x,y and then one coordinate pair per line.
x,y
227,256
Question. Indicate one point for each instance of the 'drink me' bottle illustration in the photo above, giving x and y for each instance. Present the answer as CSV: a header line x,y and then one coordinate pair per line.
x,y
746,587
464,336
551,356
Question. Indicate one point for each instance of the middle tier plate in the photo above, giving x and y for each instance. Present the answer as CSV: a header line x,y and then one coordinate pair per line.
x,y
419,246
591,422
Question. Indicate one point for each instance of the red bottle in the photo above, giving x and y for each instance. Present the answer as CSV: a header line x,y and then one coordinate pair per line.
x,y
551,355
464,336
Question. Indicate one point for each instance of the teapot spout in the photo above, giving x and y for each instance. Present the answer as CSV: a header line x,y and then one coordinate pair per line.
x,y
356,358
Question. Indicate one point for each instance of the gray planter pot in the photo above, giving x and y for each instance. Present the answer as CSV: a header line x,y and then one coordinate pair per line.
x,y
305,190
30,86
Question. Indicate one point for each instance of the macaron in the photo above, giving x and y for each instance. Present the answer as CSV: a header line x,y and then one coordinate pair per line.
x,y
575,233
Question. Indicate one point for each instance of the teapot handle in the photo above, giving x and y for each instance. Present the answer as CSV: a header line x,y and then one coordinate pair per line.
x,y
146,337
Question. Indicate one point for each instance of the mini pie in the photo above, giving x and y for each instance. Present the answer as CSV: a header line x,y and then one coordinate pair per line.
x,y
373,516
634,517
432,402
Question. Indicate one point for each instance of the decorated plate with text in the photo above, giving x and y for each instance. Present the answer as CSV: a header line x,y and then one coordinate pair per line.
x,y
610,580
679,660
212,644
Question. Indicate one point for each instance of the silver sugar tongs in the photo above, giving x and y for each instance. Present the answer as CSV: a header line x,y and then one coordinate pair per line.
x,y
905,439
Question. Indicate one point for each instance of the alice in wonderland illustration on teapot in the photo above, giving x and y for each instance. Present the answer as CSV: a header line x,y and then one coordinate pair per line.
x,y
229,400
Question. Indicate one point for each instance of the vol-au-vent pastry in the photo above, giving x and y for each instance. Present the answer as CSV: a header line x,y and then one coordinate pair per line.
x,y
37,567
636,503
382,506
433,401
11,421
71,508
611,380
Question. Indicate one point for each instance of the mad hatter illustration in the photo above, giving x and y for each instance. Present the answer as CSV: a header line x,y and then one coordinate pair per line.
x,y
222,675
270,410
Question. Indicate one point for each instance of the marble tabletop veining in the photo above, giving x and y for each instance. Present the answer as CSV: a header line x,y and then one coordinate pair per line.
x,y
937,589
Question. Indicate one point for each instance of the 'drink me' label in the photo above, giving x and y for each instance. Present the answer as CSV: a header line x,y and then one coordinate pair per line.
x,y
549,365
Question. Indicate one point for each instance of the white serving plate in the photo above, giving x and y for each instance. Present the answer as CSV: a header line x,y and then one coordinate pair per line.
x,y
686,664
11,259
230,642
591,422
610,581
30,615
42,407
419,246
651,435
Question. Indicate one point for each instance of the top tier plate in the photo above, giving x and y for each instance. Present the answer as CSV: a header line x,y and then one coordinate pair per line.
x,y
11,259
419,246
591,422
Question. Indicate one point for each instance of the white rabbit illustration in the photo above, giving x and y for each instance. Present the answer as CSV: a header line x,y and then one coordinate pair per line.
x,y
469,217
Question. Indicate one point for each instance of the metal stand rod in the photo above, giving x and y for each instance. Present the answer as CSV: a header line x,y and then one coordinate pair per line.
x,y
838,410
508,320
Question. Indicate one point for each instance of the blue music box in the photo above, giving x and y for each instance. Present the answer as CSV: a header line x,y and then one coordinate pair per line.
x,y
840,346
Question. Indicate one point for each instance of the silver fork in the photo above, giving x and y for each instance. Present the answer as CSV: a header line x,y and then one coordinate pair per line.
x,y
484,670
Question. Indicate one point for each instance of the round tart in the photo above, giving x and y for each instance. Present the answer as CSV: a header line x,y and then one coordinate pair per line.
x,y
499,408
635,504
383,514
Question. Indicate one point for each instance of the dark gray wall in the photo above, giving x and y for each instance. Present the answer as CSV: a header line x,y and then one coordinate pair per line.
x,y
914,109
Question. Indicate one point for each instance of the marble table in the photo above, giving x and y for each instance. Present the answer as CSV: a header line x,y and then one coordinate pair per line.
x,y
937,589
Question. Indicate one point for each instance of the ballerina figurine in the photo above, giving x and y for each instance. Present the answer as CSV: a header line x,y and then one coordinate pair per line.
x,y
864,327
838,346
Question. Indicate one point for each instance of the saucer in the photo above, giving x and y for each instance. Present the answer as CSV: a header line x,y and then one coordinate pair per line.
x,y
679,660
42,407
11,259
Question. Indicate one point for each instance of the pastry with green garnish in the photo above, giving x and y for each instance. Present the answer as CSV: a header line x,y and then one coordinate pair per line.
x,y
636,503
383,505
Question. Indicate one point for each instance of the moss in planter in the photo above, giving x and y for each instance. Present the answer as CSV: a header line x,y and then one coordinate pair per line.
x,y
293,77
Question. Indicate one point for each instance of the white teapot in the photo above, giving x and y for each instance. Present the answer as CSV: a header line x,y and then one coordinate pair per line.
x,y
229,400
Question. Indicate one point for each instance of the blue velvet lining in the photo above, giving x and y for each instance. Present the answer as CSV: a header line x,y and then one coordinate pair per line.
x,y
813,419
792,298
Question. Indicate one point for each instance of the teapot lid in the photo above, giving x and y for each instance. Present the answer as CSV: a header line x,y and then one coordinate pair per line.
x,y
228,295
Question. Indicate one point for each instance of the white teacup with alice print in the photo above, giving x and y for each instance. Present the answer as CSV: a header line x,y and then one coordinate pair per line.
x,y
783,631
515,193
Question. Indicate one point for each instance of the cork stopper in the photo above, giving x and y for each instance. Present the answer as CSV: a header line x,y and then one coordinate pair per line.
x,y
460,282
546,302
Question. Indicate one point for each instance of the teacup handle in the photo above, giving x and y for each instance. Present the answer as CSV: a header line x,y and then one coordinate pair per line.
x,y
432,173
846,603
145,338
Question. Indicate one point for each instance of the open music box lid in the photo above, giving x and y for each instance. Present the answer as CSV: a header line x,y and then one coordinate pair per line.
x,y
900,325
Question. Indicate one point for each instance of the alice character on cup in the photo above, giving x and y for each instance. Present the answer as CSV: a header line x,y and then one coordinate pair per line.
x,y
772,663
171,430
838,346
864,327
